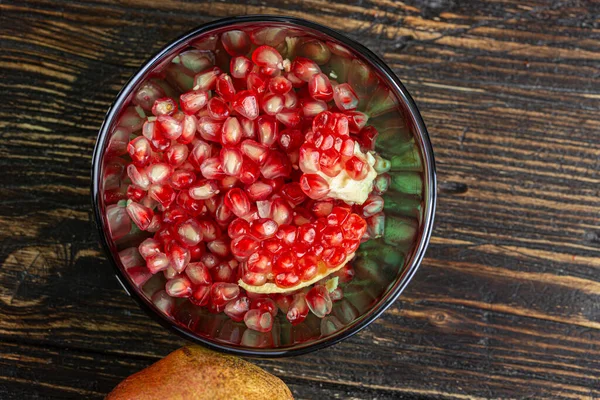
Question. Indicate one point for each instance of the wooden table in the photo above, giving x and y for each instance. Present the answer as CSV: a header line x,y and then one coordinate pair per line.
x,y
507,301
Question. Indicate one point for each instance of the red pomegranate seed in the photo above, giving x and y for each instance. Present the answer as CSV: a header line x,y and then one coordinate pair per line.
x,y
249,171
356,168
280,212
267,131
356,121
367,137
350,246
243,246
337,216
179,257
159,172
206,80
189,233
248,128
236,42
301,216
231,160
198,274
200,295
345,97
314,186
157,262
354,227
170,127
225,88
373,205
277,165
259,320
285,262
210,129
287,234
246,104
304,69
320,87
263,208
193,101
298,309
217,109
318,301
273,245
219,247
201,152
332,236
209,260
211,168
173,214
210,231
186,202
231,132
177,154
265,304
147,95
259,262
222,293
280,85
164,106
347,148
163,302
322,208
331,123
164,194
259,191
140,151
311,108
149,248
238,202
263,228
140,215
204,189
197,252
238,227
307,267
289,118
254,151
256,83
293,193
139,275
307,233
223,215
182,179
267,56
309,159
272,103
135,193
290,100
291,139
240,67
237,309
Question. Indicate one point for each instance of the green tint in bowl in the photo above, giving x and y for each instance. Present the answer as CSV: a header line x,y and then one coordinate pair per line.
x,y
383,266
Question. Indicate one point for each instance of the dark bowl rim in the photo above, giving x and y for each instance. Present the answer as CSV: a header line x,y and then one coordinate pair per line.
x,y
430,195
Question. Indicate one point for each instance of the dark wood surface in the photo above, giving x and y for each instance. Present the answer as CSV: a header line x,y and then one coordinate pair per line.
x,y
507,301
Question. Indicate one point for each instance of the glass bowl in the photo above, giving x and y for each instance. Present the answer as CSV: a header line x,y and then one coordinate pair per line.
x,y
383,267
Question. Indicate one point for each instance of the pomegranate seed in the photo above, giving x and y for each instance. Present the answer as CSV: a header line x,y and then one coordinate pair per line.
x,y
332,236
318,301
211,168
236,42
189,233
291,139
238,202
249,171
170,127
345,97
243,246
298,309
320,88
206,80
307,233
164,106
276,165
328,123
198,274
367,137
373,205
204,189
309,159
163,194
293,193
149,248
311,108
147,95
231,133
263,228
140,215
256,83
217,109
259,320
347,148
219,247
314,186
139,275
304,69
210,230
308,267
225,88
354,227
259,262
280,85
155,224
273,245
322,208
287,234
248,128
280,212
210,129
163,302
172,215
200,295
337,216
246,104
254,151
259,191
272,103
179,257
135,193
193,101
201,152
159,172
236,309
267,56
356,121
264,304
186,202
240,67
293,78
157,262
267,130
177,154
209,260
222,293
356,168
263,208
350,246
276,183
231,160
140,151
182,179
290,100
238,227
289,118
223,215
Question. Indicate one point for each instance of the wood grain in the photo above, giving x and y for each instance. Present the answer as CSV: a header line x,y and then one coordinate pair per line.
x,y
507,301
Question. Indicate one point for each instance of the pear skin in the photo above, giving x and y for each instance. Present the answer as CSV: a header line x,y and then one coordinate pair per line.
x,y
196,373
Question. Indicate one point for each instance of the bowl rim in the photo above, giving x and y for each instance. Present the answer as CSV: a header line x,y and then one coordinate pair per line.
x,y
430,188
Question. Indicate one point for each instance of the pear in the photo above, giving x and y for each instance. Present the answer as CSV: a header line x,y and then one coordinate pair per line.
x,y
196,373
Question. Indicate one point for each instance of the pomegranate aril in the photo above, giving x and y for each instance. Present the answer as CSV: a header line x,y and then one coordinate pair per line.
x,y
320,87
236,42
246,104
217,109
211,168
179,257
333,257
182,179
357,168
189,232
223,215
237,201
264,304
243,246
206,80
210,129
140,151
210,231
307,233
277,165
367,137
135,193
312,108
177,154
200,295
231,161
356,121
140,214
267,56
219,247
285,262
309,158
347,147
201,152
272,104
372,206
290,100
293,193
328,123
304,68
157,262
163,194
164,106
307,267
298,309
225,88
314,186
204,189
172,215
254,278
259,191
187,203
280,85
222,293
287,234
273,245
249,171
193,101
322,208
318,301
159,173
198,274
263,228
291,139
240,67
259,262
248,128
337,216
164,302
223,273
280,212
209,260
139,275
256,83
170,127
238,227
147,94
254,151
350,246
259,320
289,118
267,130
376,225
345,97
149,248
231,133
237,309
354,227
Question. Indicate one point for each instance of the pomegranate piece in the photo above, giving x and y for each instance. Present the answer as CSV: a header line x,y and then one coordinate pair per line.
x,y
207,79
179,257
256,83
287,279
320,87
264,304
140,215
259,320
140,151
318,301
222,293
240,67
245,103
163,194
164,106
354,227
280,85
193,101
176,154
356,121
289,118
231,133
231,160
314,186
225,88
237,309
189,233
367,137
298,309
280,212
236,42
267,131
237,201
304,69
170,126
